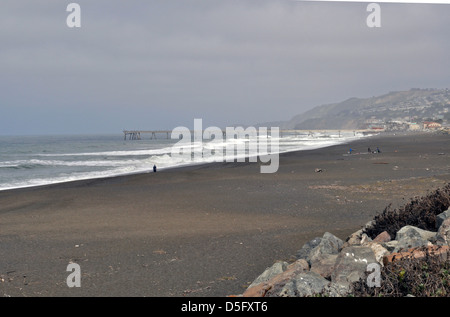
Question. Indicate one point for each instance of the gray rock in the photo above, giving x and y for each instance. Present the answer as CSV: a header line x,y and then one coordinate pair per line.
x,y
275,269
337,290
329,244
411,237
354,238
405,231
441,217
303,253
443,235
391,245
351,264
324,265
302,285
277,282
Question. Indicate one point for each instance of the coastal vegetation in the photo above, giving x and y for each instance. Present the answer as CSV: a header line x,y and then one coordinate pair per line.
x,y
420,212
401,252
426,276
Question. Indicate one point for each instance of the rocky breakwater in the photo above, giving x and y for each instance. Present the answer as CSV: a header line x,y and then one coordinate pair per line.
x,y
329,266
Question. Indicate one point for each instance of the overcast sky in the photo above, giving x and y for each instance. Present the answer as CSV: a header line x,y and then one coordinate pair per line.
x,y
159,64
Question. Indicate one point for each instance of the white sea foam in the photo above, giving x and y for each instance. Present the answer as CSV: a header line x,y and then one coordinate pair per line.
x,y
113,153
40,168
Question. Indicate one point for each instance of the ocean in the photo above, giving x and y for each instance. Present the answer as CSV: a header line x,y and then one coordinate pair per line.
x,y
27,161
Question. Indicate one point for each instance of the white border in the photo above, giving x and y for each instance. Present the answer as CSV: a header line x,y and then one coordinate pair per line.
x,y
383,1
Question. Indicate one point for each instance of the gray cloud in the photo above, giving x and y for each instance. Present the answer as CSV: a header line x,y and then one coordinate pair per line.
x,y
159,64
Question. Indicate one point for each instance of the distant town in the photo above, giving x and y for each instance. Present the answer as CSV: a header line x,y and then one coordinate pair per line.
x,y
410,110
422,113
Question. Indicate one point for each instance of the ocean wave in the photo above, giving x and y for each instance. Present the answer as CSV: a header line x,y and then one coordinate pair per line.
x,y
13,166
50,168
34,163
114,153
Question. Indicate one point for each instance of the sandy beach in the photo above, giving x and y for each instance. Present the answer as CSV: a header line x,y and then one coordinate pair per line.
x,y
206,230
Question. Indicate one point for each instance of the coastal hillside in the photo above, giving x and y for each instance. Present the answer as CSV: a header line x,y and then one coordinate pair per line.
x,y
400,107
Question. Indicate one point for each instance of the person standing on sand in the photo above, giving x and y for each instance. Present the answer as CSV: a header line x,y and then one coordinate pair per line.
x,y
154,168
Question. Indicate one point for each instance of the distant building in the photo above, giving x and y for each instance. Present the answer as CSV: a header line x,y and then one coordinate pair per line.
x,y
430,125
414,126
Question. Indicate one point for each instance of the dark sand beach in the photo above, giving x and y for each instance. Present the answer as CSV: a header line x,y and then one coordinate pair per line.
x,y
205,230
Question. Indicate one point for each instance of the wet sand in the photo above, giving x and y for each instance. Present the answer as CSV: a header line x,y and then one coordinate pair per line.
x,y
205,230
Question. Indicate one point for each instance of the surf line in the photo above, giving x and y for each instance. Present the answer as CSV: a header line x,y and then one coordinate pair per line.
x,y
238,145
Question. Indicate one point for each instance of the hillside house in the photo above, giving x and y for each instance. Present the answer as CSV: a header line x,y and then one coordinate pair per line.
x,y
430,125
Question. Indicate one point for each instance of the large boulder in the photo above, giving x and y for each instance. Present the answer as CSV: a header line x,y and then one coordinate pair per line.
x,y
404,231
337,290
391,245
303,253
441,217
354,238
329,244
351,264
324,265
443,235
411,237
302,285
278,281
277,268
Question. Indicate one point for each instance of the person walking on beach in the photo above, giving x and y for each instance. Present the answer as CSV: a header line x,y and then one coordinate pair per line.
x,y
378,150
154,168
368,150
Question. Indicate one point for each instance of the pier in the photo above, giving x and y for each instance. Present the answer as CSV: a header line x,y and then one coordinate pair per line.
x,y
154,134
136,134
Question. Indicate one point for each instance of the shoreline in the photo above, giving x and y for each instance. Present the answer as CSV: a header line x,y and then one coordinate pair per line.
x,y
204,230
180,167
